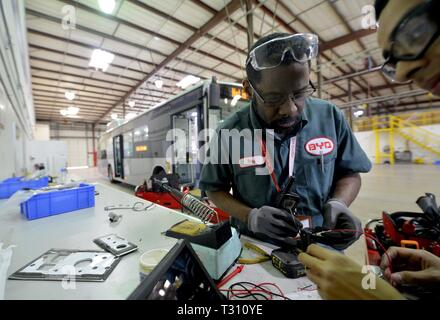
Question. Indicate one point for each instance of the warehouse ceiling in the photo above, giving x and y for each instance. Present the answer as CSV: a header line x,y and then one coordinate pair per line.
x,y
167,40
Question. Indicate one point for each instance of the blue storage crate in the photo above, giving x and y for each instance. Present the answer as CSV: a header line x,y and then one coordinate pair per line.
x,y
60,201
10,186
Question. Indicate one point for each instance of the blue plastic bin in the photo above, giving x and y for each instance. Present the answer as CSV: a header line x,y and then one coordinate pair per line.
x,y
55,202
10,186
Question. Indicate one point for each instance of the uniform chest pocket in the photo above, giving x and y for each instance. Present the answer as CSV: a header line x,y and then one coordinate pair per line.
x,y
319,178
254,188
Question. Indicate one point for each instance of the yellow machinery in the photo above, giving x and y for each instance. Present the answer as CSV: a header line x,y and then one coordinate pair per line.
x,y
394,125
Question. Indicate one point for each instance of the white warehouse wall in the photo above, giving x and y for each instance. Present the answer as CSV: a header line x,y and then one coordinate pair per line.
x,y
367,140
79,146
13,143
41,132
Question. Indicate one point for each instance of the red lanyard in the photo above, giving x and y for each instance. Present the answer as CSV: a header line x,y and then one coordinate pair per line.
x,y
267,158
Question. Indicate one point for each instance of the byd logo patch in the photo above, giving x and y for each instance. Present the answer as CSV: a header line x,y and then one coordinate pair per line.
x,y
319,145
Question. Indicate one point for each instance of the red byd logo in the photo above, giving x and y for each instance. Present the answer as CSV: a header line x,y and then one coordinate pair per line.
x,y
319,145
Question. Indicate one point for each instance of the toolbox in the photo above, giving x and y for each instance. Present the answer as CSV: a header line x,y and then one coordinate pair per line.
x,y
50,203
10,186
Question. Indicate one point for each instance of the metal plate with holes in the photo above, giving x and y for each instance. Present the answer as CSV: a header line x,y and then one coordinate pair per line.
x,y
62,264
115,244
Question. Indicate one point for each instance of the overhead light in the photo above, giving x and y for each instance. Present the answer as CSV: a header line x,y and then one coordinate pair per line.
x,y
69,112
70,95
130,115
194,114
131,103
358,113
73,110
187,81
114,116
156,38
107,6
137,133
235,100
158,84
226,100
2,107
101,59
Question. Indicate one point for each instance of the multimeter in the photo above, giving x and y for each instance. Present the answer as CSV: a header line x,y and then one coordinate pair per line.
x,y
287,262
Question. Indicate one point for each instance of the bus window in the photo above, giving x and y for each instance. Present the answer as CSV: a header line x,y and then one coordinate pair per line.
x,y
141,134
128,144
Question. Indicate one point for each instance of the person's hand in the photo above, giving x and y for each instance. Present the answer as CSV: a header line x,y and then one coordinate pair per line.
x,y
273,223
340,278
404,266
348,228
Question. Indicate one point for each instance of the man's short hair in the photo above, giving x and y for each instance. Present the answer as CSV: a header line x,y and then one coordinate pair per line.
x,y
253,75
379,5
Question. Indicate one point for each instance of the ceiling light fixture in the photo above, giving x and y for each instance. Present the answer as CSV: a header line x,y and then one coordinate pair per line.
x,y
70,95
158,84
131,103
187,81
114,116
130,115
358,113
101,59
70,111
107,6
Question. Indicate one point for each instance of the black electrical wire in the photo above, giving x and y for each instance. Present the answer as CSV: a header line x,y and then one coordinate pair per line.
x,y
250,293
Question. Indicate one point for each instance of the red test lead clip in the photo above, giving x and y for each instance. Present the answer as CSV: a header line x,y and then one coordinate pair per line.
x,y
230,276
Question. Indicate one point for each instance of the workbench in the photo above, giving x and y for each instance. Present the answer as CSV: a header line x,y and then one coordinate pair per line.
x,y
76,230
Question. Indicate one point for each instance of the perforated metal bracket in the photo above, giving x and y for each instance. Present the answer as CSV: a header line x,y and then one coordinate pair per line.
x,y
115,245
64,264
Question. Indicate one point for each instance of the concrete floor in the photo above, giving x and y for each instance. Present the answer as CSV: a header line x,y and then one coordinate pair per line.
x,y
385,188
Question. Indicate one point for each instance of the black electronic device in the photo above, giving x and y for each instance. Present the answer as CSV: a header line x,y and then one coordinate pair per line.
x,y
287,262
179,276
213,236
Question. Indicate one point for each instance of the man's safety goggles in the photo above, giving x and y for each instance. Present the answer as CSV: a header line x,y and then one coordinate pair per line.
x,y
412,37
302,47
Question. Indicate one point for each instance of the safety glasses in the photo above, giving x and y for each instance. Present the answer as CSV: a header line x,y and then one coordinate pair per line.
x,y
302,47
412,37
298,98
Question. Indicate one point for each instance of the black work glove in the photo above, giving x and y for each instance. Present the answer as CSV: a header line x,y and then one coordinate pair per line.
x,y
348,228
277,225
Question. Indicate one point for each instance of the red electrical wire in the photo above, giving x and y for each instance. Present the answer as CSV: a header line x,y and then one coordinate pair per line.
x,y
368,236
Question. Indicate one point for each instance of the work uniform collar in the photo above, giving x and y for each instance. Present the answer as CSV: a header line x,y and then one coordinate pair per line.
x,y
256,123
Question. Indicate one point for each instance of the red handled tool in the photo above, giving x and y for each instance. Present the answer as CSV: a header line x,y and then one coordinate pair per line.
x,y
230,276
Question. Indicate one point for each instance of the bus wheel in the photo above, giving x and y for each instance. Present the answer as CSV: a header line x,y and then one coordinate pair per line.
x,y
110,174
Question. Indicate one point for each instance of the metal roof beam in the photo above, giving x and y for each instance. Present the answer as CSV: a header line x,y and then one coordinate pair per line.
x,y
230,8
129,43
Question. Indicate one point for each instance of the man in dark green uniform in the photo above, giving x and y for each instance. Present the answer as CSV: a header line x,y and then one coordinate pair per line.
x,y
305,138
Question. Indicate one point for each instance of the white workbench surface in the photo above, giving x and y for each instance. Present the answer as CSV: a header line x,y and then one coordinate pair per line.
x,y
76,230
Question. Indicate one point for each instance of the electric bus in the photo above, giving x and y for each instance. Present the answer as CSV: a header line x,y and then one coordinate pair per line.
x,y
135,150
